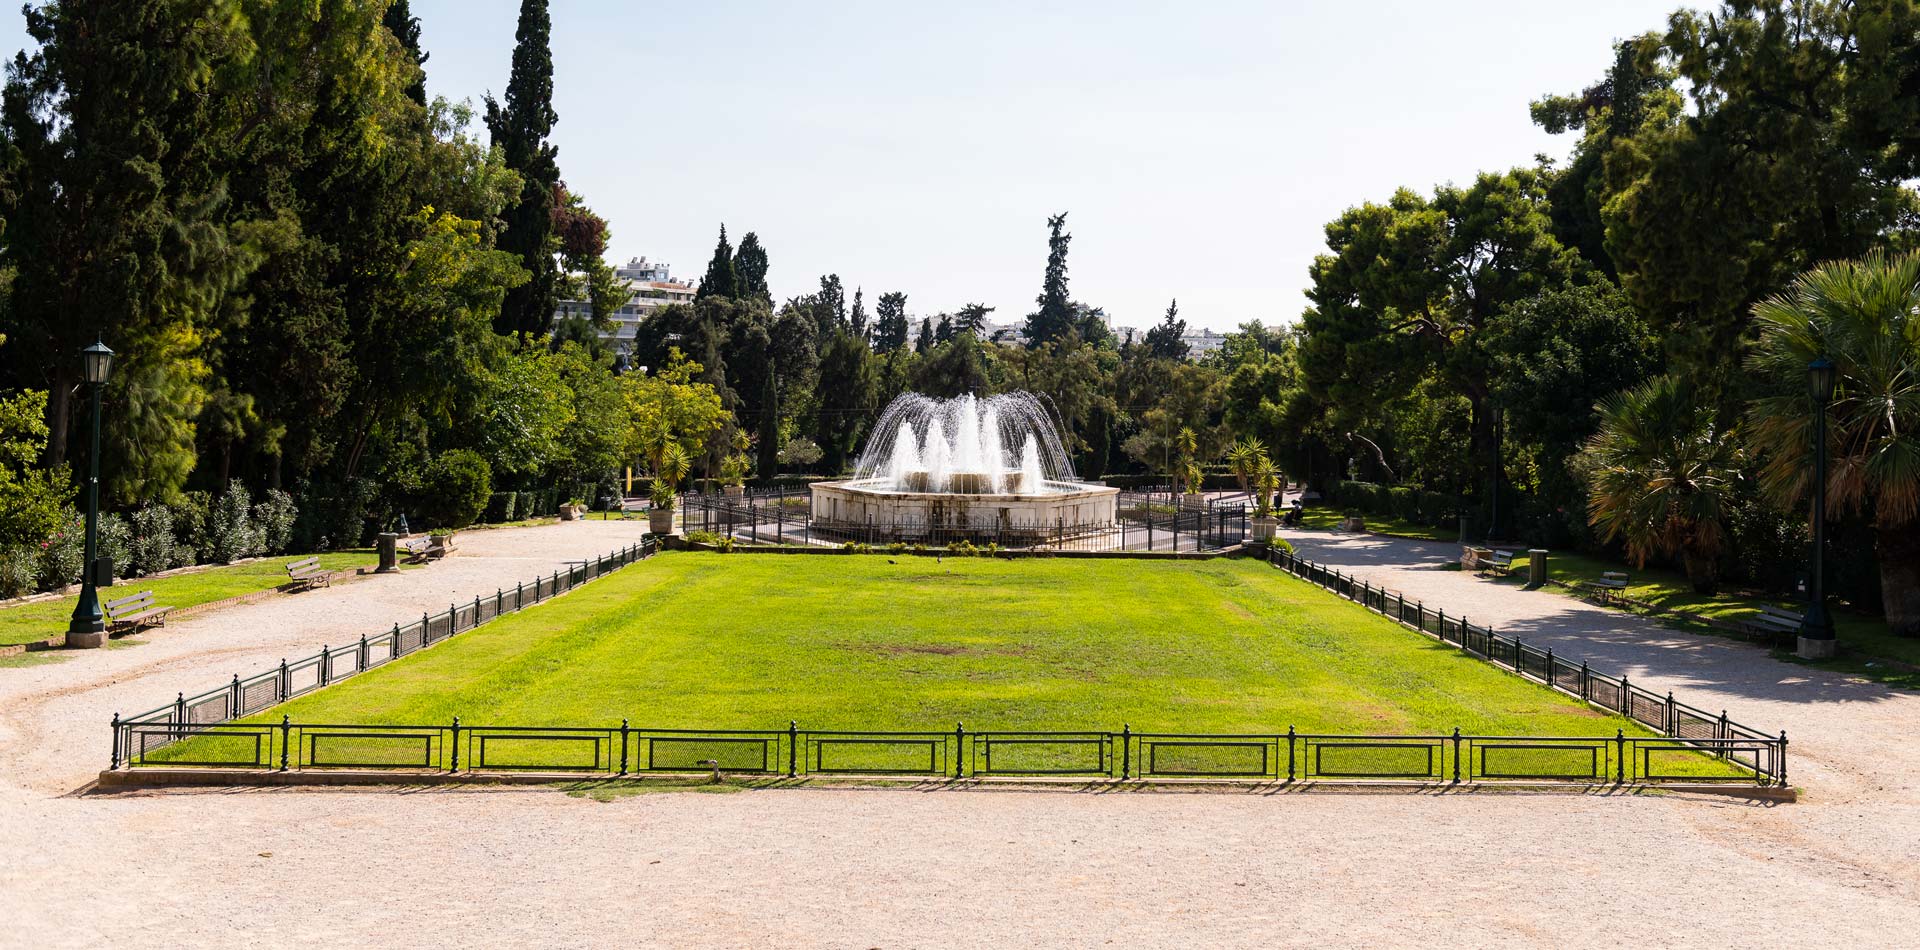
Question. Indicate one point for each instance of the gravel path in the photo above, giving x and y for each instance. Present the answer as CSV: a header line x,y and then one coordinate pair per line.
x,y
930,867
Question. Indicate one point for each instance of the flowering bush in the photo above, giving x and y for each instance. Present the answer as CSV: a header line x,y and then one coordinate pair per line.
x,y
62,552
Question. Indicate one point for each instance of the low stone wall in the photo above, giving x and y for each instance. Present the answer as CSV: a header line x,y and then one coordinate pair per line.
x,y
846,503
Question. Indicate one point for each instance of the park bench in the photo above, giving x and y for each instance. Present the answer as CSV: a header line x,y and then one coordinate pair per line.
x,y
416,549
631,506
136,611
1612,585
1774,623
306,574
1500,562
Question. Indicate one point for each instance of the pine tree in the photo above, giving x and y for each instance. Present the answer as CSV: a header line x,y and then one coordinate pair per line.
x,y
520,129
925,340
750,270
830,307
857,318
721,279
972,318
405,27
1054,319
113,197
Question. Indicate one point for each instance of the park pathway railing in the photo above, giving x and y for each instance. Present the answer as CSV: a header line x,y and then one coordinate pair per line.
x,y
1678,721
250,695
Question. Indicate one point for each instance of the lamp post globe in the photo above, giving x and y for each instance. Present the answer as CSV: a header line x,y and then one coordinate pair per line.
x,y
1816,627
88,627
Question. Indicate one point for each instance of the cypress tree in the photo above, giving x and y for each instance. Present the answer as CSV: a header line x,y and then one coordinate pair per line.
x,y
925,340
1055,317
520,129
405,27
857,319
1166,340
750,270
721,279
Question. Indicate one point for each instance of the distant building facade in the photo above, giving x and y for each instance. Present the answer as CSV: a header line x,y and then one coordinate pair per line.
x,y
650,285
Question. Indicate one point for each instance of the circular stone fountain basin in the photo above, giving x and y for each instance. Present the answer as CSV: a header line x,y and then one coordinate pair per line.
x,y
1072,506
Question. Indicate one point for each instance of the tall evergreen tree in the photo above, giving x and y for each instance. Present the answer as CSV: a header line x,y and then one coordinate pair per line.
x,y
721,279
1055,317
830,307
972,318
925,341
1165,341
857,318
405,27
750,269
520,129
890,323
113,198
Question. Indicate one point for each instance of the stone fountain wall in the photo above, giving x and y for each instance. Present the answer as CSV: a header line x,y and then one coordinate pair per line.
x,y
1071,506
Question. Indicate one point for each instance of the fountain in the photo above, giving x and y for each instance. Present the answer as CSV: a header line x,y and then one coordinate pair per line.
x,y
993,464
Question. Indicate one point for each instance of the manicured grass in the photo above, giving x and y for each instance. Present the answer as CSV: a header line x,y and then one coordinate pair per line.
x,y
1868,643
692,640
48,618
1326,519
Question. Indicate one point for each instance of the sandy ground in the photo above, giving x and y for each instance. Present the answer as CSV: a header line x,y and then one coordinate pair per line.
x,y
923,867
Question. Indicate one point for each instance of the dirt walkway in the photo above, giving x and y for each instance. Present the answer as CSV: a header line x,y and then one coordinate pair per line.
x,y
932,867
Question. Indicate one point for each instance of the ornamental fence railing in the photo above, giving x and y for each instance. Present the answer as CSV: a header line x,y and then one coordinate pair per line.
x,y
1693,746
250,695
957,754
1760,753
1139,526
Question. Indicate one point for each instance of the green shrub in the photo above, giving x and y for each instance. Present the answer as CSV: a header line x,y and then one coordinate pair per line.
x,y
897,547
857,547
19,569
962,548
116,542
275,514
1280,544
500,507
61,554
232,533
153,547
456,487
333,516
190,526
1404,503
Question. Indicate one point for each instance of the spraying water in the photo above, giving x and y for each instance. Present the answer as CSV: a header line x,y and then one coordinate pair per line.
x,y
961,446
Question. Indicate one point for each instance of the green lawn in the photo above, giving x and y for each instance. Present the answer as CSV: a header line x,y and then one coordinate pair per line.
x,y
1869,644
48,618
1326,519
695,640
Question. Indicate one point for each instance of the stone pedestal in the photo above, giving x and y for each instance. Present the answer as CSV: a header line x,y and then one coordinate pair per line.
x,y
86,639
1536,568
388,544
1820,649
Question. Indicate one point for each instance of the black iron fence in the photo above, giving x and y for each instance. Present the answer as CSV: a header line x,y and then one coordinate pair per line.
x,y
249,695
792,752
1141,525
1682,724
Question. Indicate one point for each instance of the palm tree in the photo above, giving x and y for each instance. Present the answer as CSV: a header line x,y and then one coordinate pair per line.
x,y
1864,316
1248,458
1660,477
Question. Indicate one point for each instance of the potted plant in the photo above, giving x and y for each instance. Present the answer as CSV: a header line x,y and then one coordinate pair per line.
x,y
573,510
733,474
671,468
1188,467
1265,485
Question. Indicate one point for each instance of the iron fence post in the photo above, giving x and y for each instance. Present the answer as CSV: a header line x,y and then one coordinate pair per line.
x,y
1673,722
286,733
623,746
1290,744
1783,758
393,644
1720,733
1456,756
326,664
285,684
116,739
517,594
1586,683
360,656
793,746
1126,751
959,740
453,748
234,697
1620,754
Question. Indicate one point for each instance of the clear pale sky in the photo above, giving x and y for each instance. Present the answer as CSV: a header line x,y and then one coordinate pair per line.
x,y
1199,148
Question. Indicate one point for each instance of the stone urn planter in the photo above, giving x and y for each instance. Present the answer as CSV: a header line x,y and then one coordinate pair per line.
x,y
1263,528
660,520
1354,523
1193,501
572,512
735,491
439,545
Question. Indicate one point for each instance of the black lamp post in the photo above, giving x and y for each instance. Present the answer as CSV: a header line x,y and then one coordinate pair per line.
x,y
89,626
1816,629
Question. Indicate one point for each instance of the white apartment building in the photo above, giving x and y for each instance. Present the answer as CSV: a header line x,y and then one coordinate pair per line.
x,y
651,286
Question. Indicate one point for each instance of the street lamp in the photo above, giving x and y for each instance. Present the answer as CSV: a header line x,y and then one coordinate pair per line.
x,y
89,626
1816,628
